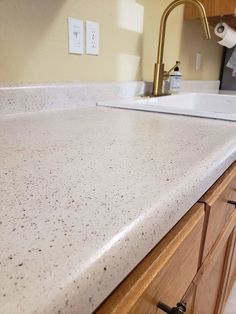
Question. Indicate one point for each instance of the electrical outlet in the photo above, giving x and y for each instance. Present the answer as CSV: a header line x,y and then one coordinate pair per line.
x,y
76,36
92,38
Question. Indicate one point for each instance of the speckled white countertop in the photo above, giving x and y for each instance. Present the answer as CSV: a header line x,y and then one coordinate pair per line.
x,y
86,193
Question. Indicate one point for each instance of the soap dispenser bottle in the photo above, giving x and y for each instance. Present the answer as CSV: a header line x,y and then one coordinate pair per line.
x,y
175,79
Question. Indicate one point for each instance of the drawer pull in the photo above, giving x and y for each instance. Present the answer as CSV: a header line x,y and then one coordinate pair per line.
x,y
179,309
232,203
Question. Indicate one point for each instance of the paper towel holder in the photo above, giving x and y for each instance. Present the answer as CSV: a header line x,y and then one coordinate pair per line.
x,y
221,27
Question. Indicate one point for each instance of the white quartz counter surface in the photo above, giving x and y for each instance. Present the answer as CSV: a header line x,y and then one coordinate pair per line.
x,y
85,194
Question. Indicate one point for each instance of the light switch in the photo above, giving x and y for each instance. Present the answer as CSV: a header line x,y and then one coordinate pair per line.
x,y
76,36
92,38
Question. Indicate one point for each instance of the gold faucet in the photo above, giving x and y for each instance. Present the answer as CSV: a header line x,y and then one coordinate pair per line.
x,y
159,72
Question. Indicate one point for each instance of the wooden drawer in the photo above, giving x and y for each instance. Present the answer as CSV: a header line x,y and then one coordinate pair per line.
x,y
212,279
189,298
217,208
165,273
231,269
208,288
232,274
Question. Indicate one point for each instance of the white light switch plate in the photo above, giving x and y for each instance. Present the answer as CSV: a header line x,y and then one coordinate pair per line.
x,y
76,36
92,38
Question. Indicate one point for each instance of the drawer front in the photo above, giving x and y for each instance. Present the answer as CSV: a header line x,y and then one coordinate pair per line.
x,y
189,299
212,278
218,209
173,281
233,265
165,274
231,275
208,293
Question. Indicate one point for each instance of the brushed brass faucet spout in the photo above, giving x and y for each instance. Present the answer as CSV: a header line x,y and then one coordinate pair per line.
x,y
159,66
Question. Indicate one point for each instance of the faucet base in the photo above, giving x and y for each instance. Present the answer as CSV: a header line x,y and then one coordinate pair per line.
x,y
160,95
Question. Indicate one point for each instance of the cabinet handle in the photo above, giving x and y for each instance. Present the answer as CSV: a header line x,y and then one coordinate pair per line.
x,y
179,309
232,203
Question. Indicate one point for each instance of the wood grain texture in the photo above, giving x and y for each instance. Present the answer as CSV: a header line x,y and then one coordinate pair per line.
x,y
218,210
208,287
228,271
212,7
189,298
210,279
165,274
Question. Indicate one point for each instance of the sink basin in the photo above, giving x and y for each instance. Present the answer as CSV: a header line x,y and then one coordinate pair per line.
x,y
212,106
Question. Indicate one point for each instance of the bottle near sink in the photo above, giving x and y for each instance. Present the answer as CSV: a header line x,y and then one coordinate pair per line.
x,y
175,79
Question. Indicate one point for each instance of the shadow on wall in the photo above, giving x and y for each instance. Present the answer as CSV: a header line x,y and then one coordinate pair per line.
x,y
34,44
121,24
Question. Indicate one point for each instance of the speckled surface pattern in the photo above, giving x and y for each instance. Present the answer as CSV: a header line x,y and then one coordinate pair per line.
x,y
87,193
31,98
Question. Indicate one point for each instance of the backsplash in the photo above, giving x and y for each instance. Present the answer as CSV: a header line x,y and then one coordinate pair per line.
x,y
31,98
19,99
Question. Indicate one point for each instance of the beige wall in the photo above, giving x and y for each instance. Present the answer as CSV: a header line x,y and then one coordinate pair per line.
x,y
152,16
183,40
211,53
34,46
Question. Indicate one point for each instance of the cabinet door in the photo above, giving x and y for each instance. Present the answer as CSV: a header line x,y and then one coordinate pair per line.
x,y
231,271
209,285
232,274
165,274
212,7
189,299
214,273
218,208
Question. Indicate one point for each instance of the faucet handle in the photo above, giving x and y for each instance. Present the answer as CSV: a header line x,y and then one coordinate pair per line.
x,y
177,63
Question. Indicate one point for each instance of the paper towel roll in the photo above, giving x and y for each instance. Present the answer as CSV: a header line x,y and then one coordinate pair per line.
x,y
228,35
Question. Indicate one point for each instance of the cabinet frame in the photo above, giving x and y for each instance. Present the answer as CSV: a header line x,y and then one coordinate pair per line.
x,y
127,297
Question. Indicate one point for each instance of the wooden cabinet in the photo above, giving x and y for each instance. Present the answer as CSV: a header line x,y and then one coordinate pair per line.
x,y
165,274
208,286
217,206
189,299
230,273
194,263
214,9
218,255
212,278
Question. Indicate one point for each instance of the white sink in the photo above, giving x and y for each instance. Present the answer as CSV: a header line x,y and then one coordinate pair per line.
x,y
212,106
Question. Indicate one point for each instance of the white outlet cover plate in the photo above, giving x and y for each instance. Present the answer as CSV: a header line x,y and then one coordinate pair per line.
x,y
92,38
76,36
198,61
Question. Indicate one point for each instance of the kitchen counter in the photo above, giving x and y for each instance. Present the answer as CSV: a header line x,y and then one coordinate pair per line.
x,y
87,193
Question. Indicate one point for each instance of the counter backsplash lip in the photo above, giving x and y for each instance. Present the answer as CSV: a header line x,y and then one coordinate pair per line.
x,y
33,98
22,98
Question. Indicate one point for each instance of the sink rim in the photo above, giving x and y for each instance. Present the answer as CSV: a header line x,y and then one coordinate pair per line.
x,y
160,105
